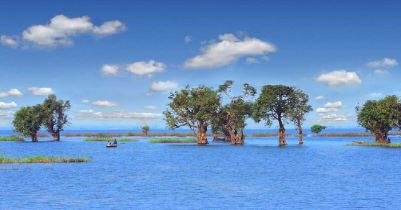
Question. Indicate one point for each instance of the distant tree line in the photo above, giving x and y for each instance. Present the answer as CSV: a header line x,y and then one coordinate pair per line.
x,y
201,107
50,115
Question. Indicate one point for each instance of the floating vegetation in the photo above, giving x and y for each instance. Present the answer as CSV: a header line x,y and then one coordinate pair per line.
x,y
44,159
374,144
172,140
11,138
109,139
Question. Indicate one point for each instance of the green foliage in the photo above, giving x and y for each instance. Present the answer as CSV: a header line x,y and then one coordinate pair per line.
x,y
43,159
145,129
54,115
27,120
11,138
379,117
193,107
317,128
376,144
170,140
298,109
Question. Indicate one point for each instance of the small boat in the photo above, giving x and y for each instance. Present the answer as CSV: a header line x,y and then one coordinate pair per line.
x,y
111,145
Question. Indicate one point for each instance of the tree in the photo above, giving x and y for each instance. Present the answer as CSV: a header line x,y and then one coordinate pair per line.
x,y
273,104
317,128
27,121
298,109
232,116
193,107
145,130
218,129
379,117
54,115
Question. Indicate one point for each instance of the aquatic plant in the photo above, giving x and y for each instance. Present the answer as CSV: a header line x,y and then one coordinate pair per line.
x,y
44,159
374,144
11,138
172,140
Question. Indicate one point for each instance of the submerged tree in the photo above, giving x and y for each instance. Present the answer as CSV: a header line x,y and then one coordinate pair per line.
x,y
232,116
218,129
193,107
145,130
379,117
54,115
27,121
298,109
317,128
274,103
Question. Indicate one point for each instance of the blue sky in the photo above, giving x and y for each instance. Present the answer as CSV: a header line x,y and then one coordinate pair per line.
x,y
346,51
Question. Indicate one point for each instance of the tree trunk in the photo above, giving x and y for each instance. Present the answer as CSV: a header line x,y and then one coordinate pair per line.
x,y
202,140
382,138
300,134
281,134
232,137
227,138
145,133
34,138
56,136
240,137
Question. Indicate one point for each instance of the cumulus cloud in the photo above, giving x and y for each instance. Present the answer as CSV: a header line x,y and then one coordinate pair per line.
x,y
85,101
250,60
324,110
339,78
108,70
5,114
105,103
9,41
44,91
386,62
146,68
85,114
334,118
11,105
337,104
61,28
374,95
163,86
319,98
381,72
187,39
228,50
149,107
11,92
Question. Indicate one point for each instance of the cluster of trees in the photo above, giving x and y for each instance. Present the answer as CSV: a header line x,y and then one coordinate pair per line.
x,y
50,115
380,116
201,107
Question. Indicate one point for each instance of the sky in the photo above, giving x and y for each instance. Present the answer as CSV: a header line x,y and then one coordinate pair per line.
x,y
117,61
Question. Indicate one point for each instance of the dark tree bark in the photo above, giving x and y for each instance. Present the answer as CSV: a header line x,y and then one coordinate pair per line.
x,y
281,133
34,138
300,133
202,139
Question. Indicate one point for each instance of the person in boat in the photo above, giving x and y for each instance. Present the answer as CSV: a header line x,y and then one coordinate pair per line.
x,y
115,142
108,143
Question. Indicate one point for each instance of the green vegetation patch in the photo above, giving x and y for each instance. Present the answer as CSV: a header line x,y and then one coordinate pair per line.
x,y
374,144
172,140
11,138
44,159
109,139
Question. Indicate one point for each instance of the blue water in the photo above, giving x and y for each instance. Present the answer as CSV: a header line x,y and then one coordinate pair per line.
x,y
321,174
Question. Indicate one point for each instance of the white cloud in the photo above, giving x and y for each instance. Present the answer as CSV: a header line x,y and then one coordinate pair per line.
x,y
386,62
250,60
44,91
11,92
187,39
108,69
9,41
374,95
4,105
324,110
163,86
334,118
146,68
264,57
149,107
337,104
85,101
85,114
319,98
5,114
228,50
381,72
105,103
61,28
203,42
339,78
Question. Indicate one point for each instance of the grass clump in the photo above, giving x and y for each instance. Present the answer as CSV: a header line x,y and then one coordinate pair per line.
x,y
109,139
44,159
172,140
11,138
374,144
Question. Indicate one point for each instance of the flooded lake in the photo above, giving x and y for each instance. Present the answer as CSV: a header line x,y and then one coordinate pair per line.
x,y
321,174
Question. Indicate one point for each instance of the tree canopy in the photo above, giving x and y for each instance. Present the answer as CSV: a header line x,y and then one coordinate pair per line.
x,y
193,107
299,107
54,115
379,117
145,129
317,128
28,120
